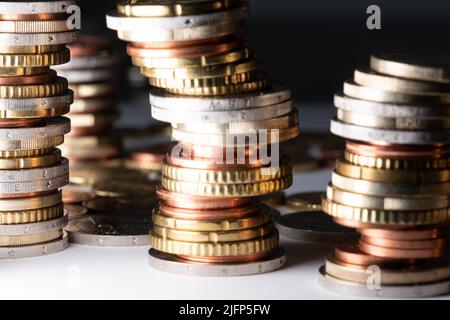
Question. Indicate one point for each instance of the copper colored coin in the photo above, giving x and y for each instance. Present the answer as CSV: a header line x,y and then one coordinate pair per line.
x,y
19,123
398,151
211,214
351,254
179,200
33,17
89,45
24,195
40,78
362,225
74,196
395,253
406,244
414,234
185,51
228,260
154,154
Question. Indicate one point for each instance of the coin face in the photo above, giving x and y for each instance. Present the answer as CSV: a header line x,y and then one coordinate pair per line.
x,y
110,229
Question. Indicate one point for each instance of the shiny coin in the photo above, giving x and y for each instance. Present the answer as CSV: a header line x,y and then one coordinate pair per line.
x,y
41,249
36,7
110,229
174,264
34,228
33,39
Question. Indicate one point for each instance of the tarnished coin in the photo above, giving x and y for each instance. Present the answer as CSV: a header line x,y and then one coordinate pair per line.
x,y
141,205
124,188
110,229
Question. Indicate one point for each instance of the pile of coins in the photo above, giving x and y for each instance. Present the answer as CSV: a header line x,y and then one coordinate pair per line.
x,y
92,76
393,183
210,88
32,101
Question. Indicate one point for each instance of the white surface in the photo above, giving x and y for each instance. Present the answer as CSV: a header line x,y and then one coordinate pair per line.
x,y
82,272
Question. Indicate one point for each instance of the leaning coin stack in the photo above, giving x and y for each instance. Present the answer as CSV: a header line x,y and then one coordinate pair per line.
x,y
393,183
33,99
92,76
210,88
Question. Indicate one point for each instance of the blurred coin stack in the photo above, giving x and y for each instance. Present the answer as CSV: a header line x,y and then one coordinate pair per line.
x,y
225,113
33,99
92,75
393,183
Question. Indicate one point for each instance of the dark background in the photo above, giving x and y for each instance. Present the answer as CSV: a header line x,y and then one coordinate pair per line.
x,y
313,45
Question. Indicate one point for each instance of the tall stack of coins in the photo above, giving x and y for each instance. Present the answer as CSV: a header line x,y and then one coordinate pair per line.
x,y
92,75
226,114
32,101
393,183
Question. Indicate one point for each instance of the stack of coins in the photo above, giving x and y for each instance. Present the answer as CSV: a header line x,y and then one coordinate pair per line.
x,y
92,75
32,101
225,113
393,183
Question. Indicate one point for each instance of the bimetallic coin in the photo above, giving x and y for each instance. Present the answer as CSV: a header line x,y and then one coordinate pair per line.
x,y
110,229
174,264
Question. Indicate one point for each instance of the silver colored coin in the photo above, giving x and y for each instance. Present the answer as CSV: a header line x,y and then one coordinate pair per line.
x,y
33,228
389,109
36,103
362,290
75,211
87,76
42,185
88,62
110,229
191,33
358,133
187,116
37,250
35,7
312,226
22,175
172,263
38,39
163,100
53,127
115,21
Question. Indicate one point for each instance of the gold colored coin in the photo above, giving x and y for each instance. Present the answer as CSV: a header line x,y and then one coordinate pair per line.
x,y
91,90
31,49
212,236
250,175
353,90
222,249
402,276
401,203
146,8
31,216
95,173
34,60
382,175
197,61
35,113
59,87
382,217
25,153
29,239
17,72
202,82
253,221
397,163
45,160
227,190
308,201
367,78
371,121
238,88
214,71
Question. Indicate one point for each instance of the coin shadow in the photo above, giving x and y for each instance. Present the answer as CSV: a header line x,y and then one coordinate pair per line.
x,y
300,253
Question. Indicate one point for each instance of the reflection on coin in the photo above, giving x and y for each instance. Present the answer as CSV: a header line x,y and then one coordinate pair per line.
x,y
110,229
308,201
312,226
122,205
